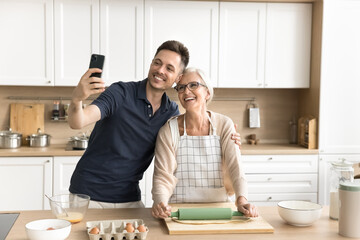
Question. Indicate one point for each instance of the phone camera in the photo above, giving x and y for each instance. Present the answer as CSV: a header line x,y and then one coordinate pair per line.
x,y
93,58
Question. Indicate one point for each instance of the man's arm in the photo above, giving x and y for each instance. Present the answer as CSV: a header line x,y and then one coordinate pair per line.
x,y
79,117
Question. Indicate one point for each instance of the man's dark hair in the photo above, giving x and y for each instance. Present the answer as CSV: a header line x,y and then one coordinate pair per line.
x,y
177,47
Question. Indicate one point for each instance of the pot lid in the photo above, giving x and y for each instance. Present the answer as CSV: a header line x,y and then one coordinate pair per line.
x,y
80,137
39,134
42,135
10,133
342,163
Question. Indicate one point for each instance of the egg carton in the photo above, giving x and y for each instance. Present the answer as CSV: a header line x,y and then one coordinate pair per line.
x,y
116,229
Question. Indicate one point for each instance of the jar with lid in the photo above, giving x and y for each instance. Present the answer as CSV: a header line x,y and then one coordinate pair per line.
x,y
341,171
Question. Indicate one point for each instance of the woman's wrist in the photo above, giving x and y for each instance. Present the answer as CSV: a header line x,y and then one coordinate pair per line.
x,y
241,200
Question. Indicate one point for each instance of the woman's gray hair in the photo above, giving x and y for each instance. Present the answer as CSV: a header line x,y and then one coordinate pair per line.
x,y
205,80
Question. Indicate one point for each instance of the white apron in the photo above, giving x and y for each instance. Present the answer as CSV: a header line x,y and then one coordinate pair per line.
x,y
199,171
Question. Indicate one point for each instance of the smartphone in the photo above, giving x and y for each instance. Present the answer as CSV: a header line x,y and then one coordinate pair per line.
x,y
97,61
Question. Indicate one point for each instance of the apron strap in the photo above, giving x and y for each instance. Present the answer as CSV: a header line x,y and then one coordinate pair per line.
x,y
213,128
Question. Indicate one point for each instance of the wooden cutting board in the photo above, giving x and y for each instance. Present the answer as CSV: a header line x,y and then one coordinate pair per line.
x,y
253,225
26,118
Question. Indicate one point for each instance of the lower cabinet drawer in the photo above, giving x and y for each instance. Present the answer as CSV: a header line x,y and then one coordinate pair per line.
x,y
282,183
280,163
273,199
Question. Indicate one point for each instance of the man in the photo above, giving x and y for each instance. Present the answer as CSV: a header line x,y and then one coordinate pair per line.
x,y
128,117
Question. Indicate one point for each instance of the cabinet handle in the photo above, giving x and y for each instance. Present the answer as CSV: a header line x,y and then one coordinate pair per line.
x,y
49,81
259,84
270,158
269,198
269,179
47,161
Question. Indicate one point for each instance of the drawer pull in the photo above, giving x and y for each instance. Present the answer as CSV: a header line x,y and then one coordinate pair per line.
x,y
269,179
270,158
269,198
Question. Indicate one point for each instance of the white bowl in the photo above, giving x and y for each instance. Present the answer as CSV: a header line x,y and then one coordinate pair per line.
x,y
38,230
299,213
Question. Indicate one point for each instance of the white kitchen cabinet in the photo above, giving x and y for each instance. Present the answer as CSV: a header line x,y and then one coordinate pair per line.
x,y
288,45
242,44
25,181
121,40
76,26
340,73
63,170
274,178
26,43
264,45
325,173
194,23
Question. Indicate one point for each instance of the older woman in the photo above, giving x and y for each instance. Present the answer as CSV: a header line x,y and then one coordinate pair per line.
x,y
195,158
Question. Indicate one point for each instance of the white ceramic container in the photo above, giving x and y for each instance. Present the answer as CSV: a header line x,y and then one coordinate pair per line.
x,y
349,209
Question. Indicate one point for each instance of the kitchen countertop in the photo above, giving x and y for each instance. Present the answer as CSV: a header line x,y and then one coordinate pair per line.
x,y
52,150
65,150
324,228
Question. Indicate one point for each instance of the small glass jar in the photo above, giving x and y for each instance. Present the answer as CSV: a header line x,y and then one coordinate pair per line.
x,y
341,171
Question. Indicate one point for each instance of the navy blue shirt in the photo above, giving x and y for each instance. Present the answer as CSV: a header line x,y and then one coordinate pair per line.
x,y
122,143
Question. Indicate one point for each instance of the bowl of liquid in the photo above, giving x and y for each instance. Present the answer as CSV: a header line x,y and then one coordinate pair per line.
x,y
70,207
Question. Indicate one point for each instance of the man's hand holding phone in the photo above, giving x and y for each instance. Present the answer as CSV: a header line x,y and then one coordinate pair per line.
x,y
91,82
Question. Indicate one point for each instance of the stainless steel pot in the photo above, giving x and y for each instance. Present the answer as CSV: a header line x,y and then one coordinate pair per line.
x,y
10,139
39,139
80,143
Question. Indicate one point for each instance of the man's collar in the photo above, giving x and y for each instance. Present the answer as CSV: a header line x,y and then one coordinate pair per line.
x,y
141,94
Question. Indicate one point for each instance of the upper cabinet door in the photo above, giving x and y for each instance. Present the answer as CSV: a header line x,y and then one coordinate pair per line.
x,y
26,42
340,74
76,38
242,44
122,40
288,45
195,24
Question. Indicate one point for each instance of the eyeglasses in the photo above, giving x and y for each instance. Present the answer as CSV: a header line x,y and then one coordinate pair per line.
x,y
191,86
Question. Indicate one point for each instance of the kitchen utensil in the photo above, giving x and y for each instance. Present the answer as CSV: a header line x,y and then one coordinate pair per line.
x,y
235,225
254,115
39,139
349,217
10,139
299,213
205,213
340,171
26,118
71,207
45,229
67,215
79,142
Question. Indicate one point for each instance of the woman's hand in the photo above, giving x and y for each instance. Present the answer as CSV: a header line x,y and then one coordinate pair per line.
x,y
236,137
248,209
161,210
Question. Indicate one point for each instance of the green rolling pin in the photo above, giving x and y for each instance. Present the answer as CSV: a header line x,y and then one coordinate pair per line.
x,y
205,213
